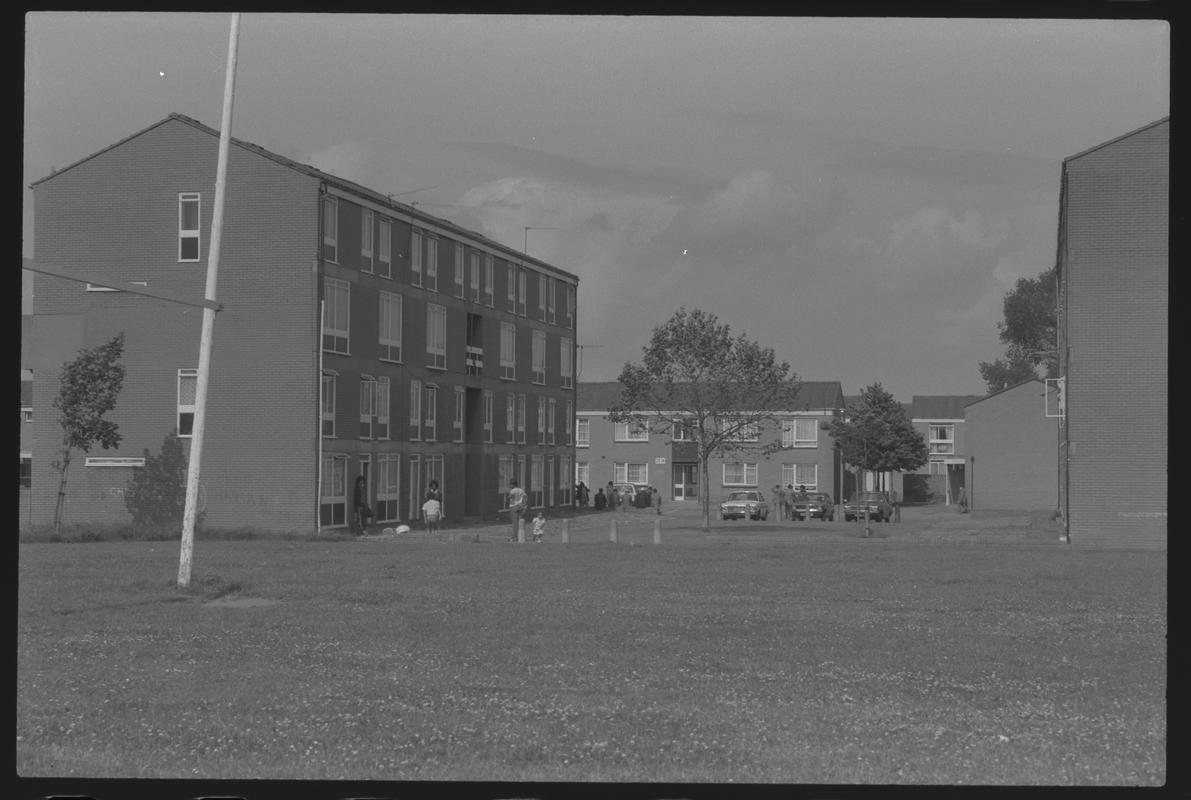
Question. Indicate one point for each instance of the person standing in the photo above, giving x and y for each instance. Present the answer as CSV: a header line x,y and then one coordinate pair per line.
x,y
657,501
434,493
431,513
539,525
789,501
360,510
779,500
601,500
613,497
516,507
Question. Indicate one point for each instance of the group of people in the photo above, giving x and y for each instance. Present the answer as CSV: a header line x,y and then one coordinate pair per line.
x,y
431,507
784,499
644,497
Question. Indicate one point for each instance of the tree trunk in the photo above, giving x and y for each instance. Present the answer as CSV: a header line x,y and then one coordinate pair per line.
x,y
706,491
61,491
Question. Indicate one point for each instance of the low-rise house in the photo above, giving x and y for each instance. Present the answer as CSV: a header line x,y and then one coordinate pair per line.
x,y
1011,450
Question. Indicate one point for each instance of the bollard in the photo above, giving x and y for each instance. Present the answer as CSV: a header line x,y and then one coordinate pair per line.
x,y
566,531
657,531
521,531
612,531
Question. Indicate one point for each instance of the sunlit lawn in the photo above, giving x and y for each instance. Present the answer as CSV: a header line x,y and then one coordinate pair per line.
x,y
762,654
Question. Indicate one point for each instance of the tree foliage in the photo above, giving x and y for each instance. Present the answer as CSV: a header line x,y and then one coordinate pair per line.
x,y
89,386
722,387
156,494
876,435
1029,331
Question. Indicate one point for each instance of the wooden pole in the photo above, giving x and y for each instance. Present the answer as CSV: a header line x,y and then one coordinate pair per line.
x,y
208,330
657,531
566,531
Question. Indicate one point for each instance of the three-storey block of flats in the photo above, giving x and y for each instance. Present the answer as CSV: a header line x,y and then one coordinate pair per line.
x,y
358,336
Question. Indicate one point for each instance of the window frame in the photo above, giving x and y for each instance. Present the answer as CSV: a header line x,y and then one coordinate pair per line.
x,y
332,287
331,228
511,418
520,419
624,431
367,406
487,399
551,413
621,472
541,419
385,325
430,414
790,436
582,432
473,267
744,481
935,443
329,500
194,234
508,354
460,412
431,262
186,408
415,257
384,247
367,231
327,403
489,280
566,362
436,336
383,402
538,357
460,280
415,410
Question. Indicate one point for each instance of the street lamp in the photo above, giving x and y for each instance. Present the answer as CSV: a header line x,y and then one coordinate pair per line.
x,y
528,228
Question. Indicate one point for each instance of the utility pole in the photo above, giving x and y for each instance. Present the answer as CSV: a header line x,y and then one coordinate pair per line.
x,y
208,330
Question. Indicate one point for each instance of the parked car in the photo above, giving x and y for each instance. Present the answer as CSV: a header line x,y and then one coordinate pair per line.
x,y
879,507
816,505
744,503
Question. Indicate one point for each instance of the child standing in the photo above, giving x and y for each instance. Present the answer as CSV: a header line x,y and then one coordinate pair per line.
x,y
539,526
431,512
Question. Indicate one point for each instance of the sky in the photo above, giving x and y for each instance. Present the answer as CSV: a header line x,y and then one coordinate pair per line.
x,y
856,193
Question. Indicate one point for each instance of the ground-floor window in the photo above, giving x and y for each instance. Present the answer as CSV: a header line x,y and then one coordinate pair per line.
x,y
797,475
625,472
388,491
740,474
937,468
583,473
551,476
504,472
535,481
415,487
564,469
26,471
332,509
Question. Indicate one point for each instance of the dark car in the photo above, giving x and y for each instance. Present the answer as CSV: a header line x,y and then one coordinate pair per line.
x,y
744,503
879,507
816,505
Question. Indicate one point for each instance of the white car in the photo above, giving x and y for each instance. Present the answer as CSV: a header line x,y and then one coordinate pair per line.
x,y
744,503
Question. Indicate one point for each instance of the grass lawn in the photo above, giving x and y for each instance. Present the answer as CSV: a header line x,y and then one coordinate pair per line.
x,y
764,652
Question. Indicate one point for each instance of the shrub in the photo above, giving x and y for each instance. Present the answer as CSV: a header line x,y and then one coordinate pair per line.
x,y
156,494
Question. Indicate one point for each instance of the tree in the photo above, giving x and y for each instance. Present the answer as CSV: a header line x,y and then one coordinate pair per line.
x,y
156,494
1029,329
89,387
721,388
876,435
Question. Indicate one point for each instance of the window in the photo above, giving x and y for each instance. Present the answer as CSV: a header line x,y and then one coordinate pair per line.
x,y
489,281
331,228
187,392
389,326
571,307
328,404
26,471
738,474
541,420
566,474
388,483
431,418
737,430
188,225
508,351
459,280
512,286
551,407
682,430
942,439
632,431
487,399
332,508
26,414
384,248
535,481
415,411
566,350
367,405
432,263
550,290
436,336
542,283
937,468
460,406
382,407
521,419
504,471
336,315
522,280
583,432
800,433
511,418
801,475
415,486
366,241
475,277
568,414
415,257
539,357
630,472
583,473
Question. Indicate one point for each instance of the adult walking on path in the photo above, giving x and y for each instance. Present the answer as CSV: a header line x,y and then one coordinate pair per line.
x,y
516,508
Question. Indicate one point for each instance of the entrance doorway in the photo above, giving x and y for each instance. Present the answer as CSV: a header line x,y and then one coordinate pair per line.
x,y
686,481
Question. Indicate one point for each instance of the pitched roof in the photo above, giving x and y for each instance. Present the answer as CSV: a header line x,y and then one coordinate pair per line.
x,y
1163,121
940,406
812,396
334,180
1001,391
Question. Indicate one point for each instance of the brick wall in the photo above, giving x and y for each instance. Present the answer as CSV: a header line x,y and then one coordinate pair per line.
x,y
1115,266
1012,448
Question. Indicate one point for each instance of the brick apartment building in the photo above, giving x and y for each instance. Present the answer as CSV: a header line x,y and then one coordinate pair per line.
x,y
1113,264
628,453
358,336
940,420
